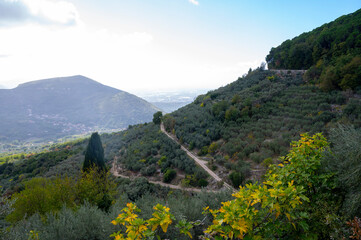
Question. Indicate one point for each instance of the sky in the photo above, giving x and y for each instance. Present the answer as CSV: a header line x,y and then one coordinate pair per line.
x,y
151,45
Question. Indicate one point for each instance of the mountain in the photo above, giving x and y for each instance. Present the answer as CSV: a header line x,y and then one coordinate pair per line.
x,y
331,54
57,107
239,129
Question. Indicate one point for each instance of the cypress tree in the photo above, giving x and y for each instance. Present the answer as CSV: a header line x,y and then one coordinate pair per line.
x,y
94,154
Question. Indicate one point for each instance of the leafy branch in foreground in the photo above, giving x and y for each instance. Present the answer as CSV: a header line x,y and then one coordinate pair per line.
x,y
272,209
138,228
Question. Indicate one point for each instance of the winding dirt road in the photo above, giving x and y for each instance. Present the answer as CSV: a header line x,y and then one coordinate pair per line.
x,y
200,162
114,171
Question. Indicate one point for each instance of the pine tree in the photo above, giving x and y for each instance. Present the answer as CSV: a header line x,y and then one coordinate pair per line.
x,y
94,155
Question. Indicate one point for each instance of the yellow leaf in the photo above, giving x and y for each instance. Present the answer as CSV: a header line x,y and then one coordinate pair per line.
x,y
164,227
154,227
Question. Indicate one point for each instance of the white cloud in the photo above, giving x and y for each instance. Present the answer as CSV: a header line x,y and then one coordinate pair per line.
x,y
38,11
33,52
56,11
195,2
128,61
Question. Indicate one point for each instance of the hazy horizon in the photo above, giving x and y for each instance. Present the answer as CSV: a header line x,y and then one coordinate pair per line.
x,y
144,46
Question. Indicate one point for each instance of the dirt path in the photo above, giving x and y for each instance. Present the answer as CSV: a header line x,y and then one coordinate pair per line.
x,y
114,171
200,162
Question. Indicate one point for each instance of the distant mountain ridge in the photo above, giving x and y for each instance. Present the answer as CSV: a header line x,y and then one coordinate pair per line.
x,y
57,107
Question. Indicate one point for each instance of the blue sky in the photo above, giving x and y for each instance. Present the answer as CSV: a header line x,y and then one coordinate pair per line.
x,y
148,45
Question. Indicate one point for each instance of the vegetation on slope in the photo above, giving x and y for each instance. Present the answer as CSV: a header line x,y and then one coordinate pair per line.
x,y
306,169
146,149
331,53
255,118
241,125
142,149
285,206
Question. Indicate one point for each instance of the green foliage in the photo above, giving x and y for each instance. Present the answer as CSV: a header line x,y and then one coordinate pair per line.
x,y
219,109
95,187
94,154
85,222
194,180
267,162
144,148
157,117
236,179
89,222
41,195
202,182
137,188
169,122
169,175
267,116
331,53
345,162
232,114
212,148
39,164
276,208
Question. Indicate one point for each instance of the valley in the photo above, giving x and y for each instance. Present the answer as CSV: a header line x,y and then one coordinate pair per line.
x,y
275,154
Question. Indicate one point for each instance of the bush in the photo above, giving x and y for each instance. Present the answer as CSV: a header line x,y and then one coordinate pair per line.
x,y
169,175
88,222
267,162
202,182
42,195
345,162
236,179
148,171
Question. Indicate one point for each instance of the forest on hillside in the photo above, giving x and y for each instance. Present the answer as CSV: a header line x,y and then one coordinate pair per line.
x,y
251,121
289,143
248,123
331,54
316,192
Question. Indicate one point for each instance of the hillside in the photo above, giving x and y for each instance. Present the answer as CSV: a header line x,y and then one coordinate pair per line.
x,y
140,151
331,53
57,107
247,124
293,147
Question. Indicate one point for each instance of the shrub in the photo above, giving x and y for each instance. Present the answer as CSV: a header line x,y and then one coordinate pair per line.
x,y
202,182
169,175
42,196
236,179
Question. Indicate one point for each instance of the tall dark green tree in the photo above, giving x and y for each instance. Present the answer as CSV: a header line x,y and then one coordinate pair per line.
x,y
94,155
157,117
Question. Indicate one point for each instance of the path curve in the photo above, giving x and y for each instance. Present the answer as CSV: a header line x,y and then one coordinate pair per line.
x,y
200,162
115,173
